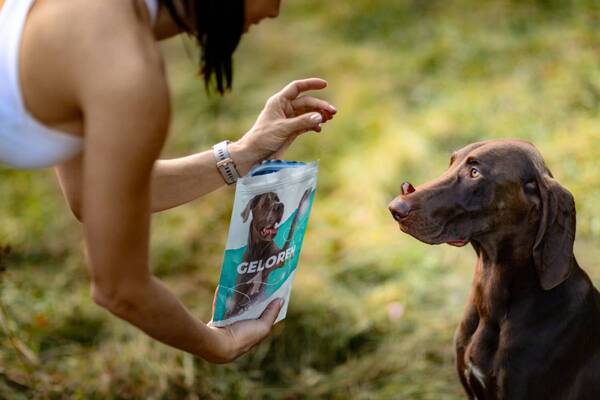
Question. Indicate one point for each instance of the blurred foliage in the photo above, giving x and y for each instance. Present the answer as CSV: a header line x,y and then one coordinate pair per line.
x,y
373,311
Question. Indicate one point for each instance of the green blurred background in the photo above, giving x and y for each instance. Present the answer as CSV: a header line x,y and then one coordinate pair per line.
x,y
373,311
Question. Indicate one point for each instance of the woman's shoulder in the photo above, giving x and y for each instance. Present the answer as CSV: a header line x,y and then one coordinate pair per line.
x,y
71,46
62,15
79,33
92,26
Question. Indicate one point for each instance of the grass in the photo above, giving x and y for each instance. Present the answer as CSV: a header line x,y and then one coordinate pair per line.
x,y
373,311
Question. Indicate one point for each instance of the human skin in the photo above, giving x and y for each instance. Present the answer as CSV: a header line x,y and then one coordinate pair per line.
x,y
101,77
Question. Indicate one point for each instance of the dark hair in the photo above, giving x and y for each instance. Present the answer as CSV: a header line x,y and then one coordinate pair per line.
x,y
217,26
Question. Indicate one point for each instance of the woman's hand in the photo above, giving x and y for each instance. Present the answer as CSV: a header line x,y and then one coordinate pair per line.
x,y
286,115
234,340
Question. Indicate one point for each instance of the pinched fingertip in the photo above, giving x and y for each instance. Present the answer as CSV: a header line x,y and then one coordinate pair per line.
x,y
316,118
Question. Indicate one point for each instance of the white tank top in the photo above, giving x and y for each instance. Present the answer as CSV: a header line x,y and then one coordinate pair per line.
x,y
25,143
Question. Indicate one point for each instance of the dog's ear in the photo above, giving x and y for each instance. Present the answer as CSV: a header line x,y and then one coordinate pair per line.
x,y
553,248
251,204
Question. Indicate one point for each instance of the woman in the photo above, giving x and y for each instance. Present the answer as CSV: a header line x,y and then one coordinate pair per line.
x,y
83,88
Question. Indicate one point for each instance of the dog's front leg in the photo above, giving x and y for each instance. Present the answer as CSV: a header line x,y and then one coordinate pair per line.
x,y
459,362
304,199
288,241
462,337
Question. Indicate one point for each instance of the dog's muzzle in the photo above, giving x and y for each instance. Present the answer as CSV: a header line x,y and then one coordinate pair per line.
x,y
401,207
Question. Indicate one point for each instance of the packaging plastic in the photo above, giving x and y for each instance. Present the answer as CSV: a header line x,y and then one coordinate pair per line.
x,y
270,215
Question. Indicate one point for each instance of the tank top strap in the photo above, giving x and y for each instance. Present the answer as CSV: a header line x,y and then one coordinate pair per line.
x,y
153,8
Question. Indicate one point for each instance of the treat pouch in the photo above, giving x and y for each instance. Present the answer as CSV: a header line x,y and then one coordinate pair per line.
x,y
270,215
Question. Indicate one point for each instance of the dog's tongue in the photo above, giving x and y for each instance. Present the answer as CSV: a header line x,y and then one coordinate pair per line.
x,y
272,231
457,243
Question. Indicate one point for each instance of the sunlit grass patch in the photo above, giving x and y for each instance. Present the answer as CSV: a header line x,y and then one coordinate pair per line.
x,y
373,311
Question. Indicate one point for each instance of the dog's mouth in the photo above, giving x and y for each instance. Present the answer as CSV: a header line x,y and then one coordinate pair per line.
x,y
269,232
433,240
457,243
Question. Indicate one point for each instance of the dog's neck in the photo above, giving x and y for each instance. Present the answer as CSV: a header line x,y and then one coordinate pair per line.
x,y
505,272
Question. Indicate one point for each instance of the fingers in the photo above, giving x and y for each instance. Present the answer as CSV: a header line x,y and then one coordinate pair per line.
x,y
306,104
287,115
304,123
251,332
265,323
271,312
291,91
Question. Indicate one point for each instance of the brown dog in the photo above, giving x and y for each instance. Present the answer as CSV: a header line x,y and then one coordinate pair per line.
x,y
531,328
262,256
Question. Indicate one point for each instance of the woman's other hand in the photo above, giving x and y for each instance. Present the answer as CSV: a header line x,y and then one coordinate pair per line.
x,y
234,340
286,115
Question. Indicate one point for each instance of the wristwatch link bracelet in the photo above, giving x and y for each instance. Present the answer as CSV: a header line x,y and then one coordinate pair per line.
x,y
225,164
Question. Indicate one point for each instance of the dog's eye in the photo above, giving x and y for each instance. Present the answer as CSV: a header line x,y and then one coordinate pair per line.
x,y
474,172
531,188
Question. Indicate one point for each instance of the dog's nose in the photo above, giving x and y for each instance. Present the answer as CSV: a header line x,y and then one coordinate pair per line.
x,y
400,209
406,188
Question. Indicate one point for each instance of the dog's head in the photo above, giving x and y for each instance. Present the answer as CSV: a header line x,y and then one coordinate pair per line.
x,y
495,191
267,212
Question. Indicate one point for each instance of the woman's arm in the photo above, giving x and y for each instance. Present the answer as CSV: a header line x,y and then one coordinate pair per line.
x,y
126,120
286,115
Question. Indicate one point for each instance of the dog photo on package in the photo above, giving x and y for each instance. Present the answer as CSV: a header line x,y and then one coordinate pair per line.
x,y
269,218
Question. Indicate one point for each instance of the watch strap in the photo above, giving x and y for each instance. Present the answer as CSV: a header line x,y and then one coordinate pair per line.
x,y
225,163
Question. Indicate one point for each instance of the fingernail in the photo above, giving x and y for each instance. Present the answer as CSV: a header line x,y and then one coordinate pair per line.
x,y
332,108
316,118
281,301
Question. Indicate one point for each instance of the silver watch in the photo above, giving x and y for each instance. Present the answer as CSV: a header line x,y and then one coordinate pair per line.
x,y
225,164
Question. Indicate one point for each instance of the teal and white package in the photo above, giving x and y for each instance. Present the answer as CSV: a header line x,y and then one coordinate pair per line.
x,y
270,214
